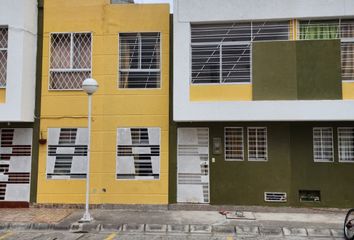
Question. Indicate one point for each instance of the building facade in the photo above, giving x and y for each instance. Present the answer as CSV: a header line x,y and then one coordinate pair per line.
x,y
263,103
18,45
125,47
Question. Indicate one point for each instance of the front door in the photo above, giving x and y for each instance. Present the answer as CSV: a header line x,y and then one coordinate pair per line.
x,y
193,165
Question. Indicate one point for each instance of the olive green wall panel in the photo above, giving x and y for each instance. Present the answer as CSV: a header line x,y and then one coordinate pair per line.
x,y
332,179
318,66
244,182
296,70
290,168
274,71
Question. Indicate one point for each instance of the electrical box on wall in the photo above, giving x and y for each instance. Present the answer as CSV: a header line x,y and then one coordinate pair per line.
x,y
217,146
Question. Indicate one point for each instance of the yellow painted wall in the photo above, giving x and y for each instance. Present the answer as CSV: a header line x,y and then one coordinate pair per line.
x,y
227,92
112,108
348,90
2,95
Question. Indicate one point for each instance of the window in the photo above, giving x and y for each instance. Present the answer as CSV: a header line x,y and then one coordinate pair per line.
x,y
221,53
323,144
257,144
67,153
346,144
139,60
3,55
234,144
138,153
70,60
333,29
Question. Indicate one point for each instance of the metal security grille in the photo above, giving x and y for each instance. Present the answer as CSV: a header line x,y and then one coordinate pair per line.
x,y
70,60
323,144
221,53
333,29
3,55
67,153
234,143
257,144
138,153
346,144
139,60
193,165
15,163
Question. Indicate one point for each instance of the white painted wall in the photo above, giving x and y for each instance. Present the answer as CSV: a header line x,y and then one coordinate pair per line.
x,y
187,11
21,18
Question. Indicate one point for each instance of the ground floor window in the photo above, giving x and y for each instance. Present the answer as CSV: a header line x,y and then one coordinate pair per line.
x,y
346,144
138,153
323,144
257,144
67,153
233,137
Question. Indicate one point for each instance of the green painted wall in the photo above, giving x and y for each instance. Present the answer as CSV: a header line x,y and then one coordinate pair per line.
x,y
245,182
318,66
274,71
36,129
334,180
290,168
297,70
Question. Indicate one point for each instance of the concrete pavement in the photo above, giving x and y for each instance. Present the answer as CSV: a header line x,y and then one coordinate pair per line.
x,y
256,223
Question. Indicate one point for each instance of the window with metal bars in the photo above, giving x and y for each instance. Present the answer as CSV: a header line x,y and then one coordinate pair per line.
x,y
4,32
346,144
323,144
233,143
257,144
70,60
139,60
342,29
221,53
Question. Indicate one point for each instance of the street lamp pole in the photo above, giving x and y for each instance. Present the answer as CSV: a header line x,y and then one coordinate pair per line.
x,y
90,86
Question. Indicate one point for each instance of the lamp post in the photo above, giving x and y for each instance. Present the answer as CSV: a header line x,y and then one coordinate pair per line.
x,y
90,86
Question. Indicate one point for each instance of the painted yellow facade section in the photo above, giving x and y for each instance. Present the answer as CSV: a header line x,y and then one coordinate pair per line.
x,y
2,95
112,107
348,90
227,92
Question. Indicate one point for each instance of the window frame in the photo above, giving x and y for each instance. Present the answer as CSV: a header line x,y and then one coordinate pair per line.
x,y
321,145
235,43
7,54
137,70
266,145
242,145
71,59
338,136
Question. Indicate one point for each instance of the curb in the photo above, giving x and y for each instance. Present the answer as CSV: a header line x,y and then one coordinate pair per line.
x,y
132,228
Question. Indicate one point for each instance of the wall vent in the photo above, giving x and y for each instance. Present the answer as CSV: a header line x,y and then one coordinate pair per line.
x,y
310,195
275,197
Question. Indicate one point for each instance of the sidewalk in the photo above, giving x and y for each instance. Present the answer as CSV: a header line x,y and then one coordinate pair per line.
x,y
265,220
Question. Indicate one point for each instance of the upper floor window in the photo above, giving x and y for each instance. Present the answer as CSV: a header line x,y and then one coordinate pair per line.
x,y
333,29
3,55
139,60
70,60
323,144
221,53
